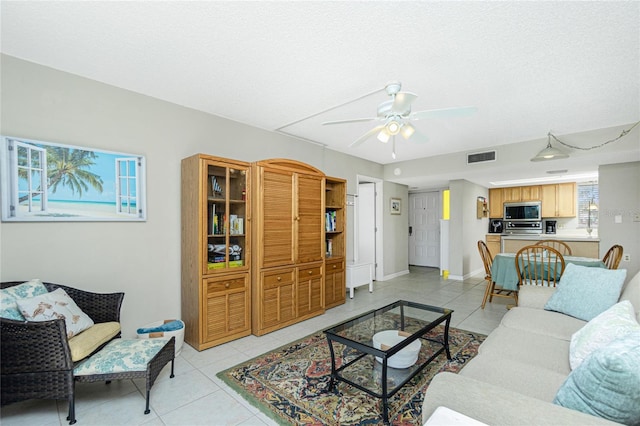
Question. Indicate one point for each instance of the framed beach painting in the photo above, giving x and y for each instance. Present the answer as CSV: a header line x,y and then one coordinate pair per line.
x,y
46,181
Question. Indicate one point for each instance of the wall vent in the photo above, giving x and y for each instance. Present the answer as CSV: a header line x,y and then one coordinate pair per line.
x,y
481,157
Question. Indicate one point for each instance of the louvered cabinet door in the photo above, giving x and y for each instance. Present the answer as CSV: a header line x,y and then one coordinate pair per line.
x,y
310,218
277,224
226,307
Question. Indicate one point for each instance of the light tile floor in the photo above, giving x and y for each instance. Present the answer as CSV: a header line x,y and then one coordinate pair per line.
x,y
197,397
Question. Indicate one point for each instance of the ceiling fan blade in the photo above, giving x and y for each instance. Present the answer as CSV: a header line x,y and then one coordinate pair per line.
x,y
444,112
418,137
354,120
366,136
402,102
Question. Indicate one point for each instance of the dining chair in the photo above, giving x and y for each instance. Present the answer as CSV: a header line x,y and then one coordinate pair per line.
x,y
491,289
613,256
539,265
561,246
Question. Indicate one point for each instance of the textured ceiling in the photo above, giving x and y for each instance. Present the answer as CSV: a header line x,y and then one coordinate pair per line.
x,y
529,67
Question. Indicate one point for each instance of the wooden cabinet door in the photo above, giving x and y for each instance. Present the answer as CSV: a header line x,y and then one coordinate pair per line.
x,y
309,292
278,296
334,283
530,193
510,195
310,218
493,244
548,196
226,306
566,199
496,209
277,195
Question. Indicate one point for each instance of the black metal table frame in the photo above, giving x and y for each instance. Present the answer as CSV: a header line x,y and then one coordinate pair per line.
x,y
385,354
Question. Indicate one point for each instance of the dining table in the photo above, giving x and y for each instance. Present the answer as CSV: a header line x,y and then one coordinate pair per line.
x,y
505,275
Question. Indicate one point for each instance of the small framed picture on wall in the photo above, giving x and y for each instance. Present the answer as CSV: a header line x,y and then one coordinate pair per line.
x,y
396,206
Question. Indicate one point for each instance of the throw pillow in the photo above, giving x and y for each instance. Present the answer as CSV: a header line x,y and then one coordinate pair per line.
x,y
584,292
8,296
55,305
607,383
614,323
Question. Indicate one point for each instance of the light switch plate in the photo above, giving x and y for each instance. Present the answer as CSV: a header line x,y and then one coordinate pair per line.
x,y
617,218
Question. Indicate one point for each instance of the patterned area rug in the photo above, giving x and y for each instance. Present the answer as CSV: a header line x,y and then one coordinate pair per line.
x,y
290,384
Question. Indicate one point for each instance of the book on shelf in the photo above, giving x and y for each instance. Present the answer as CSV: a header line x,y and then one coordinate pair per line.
x,y
236,225
330,221
216,190
329,248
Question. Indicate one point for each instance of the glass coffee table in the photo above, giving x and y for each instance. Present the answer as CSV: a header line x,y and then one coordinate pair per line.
x,y
366,367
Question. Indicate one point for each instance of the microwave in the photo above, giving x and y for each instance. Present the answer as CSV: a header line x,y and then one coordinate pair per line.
x,y
526,211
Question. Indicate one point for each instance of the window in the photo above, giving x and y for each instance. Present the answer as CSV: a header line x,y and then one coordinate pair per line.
x,y
127,185
588,201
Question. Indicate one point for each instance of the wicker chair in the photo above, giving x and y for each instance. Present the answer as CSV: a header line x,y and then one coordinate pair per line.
x,y
36,359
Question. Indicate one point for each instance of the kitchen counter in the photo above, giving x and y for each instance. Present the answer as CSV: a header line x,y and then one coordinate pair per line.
x,y
539,237
583,246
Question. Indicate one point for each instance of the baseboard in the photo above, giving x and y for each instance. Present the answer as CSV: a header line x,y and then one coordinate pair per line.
x,y
392,276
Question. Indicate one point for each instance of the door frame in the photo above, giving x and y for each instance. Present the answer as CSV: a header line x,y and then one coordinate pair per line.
x,y
378,270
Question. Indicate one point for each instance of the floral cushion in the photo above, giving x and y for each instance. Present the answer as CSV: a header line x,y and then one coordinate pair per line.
x,y
8,296
612,324
55,305
120,356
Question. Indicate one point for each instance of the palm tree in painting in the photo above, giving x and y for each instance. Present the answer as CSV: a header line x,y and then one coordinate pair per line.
x,y
68,167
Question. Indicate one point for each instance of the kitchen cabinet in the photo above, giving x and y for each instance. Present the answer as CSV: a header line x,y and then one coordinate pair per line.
x,y
493,243
582,248
559,200
215,248
510,195
495,203
530,193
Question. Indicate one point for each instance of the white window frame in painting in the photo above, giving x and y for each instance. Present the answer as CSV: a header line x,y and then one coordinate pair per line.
x,y
124,198
98,194
34,187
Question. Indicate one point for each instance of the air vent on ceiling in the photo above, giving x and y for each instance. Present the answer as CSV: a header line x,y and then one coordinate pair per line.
x,y
481,157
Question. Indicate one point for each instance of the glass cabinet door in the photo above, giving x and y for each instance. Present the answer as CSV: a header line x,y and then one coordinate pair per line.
x,y
226,217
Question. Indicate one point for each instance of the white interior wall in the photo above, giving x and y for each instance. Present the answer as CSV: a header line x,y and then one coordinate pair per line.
x,y
140,258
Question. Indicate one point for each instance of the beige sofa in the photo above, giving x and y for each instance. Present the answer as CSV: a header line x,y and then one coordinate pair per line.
x,y
520,367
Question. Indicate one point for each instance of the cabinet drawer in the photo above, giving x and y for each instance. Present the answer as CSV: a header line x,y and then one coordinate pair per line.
x,y
334,266
306,273
225,285
278,278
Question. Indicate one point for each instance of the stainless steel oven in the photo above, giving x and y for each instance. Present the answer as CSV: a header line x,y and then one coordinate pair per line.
x,y
523,227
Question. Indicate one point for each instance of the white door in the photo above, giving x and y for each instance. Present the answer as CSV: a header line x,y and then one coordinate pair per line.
x,y
366,223
424,226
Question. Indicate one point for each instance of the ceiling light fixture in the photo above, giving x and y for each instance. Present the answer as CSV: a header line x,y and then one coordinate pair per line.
x,y
393,126
407,130
549,153
384,135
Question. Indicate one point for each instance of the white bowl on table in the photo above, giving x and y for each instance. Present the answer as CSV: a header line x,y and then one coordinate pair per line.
x,y
403,359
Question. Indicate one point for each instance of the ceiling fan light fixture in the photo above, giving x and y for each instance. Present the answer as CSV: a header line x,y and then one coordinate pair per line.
x,y
407,130
549,153
384,135
393,127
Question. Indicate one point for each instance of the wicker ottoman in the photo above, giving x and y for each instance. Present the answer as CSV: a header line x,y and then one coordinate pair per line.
x,y
128,359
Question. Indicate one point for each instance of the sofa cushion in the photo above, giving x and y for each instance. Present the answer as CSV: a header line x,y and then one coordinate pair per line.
x,y
85,343
585,292
607,383
496,405
55,305
535,350
8,296
614,323
517,376
538,321
631,292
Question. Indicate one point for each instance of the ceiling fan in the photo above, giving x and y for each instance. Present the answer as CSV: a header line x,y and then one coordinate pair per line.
x,y
395,115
